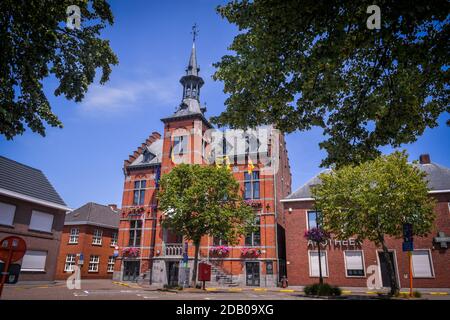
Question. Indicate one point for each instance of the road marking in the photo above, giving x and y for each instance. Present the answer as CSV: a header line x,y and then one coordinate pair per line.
x,y
346,292
211,289
259,289
235,289
439,293
286,290
371,292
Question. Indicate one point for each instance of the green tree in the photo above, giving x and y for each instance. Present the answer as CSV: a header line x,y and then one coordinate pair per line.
x,y
373,200
35,43
300,64
203,200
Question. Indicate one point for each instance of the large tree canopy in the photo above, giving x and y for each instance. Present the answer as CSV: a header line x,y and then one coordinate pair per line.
x,y
299,64
373,200
204,200
34,43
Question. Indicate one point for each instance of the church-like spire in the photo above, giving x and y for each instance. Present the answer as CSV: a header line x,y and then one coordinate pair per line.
x,y
192,82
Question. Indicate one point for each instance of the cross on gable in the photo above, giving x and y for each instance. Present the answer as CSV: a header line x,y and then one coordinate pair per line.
x,y
442,239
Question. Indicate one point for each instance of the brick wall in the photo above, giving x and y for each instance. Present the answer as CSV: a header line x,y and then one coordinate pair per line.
x,y
298,261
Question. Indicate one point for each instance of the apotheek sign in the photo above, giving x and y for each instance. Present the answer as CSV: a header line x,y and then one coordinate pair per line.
x,y
336,243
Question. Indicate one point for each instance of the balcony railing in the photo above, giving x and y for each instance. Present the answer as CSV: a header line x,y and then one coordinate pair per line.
x,y
173,249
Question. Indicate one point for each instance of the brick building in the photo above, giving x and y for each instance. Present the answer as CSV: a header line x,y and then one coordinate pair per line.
x,y
154,252
31,208
345,263
89,238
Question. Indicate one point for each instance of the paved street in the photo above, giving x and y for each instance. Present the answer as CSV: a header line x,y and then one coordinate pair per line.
x,y
112,290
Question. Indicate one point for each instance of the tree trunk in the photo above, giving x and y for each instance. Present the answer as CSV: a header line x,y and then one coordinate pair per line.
x,y
194,271
320,264
391,271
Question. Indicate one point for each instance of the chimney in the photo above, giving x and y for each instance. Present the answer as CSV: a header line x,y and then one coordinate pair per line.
x,y
424,159
113,206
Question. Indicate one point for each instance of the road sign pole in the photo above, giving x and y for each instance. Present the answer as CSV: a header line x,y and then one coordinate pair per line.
x,y
5,270
410,274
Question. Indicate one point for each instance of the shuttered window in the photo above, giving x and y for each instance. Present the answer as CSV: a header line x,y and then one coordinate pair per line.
x,y
354,263
7,214
34,261
314,263
41,221
421,261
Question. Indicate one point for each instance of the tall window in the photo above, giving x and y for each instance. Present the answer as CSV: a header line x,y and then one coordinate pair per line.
x,y
314,264
97,237
7,214
93,263
354,263
70,263
312,219
254,238
251,185
135,233
74,235
179,145
219,242
110,264
114,239
139,192
422,265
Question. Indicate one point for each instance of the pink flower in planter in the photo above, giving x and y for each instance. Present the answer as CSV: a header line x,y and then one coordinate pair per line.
x,y
131,252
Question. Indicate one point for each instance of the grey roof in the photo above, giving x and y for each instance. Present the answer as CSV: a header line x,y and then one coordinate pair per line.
x,y
438,179
192,66
304,192
27,181
155,149
94,214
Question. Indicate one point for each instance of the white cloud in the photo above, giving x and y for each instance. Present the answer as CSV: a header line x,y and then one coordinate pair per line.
x,y
114,98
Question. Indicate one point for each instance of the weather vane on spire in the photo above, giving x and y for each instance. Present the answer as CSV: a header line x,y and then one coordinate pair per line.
x,y
194,32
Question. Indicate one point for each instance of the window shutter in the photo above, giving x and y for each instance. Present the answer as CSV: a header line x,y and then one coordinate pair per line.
x,y
314,263
7,214
41,221
421,264
34,261
354,260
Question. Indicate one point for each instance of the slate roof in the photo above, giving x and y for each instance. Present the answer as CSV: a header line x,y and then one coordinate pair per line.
x,y
94,214
155,149
27,181
438,179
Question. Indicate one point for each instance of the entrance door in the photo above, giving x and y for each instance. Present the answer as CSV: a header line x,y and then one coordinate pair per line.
x,y
172,273
130,270
384,268
252,273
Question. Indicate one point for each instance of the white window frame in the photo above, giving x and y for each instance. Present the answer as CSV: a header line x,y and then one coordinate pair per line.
x,y
70,262
94,262
114,239
111,262
42,269
74,235
97,237
35,215
7,211
324,274
430,256
363,264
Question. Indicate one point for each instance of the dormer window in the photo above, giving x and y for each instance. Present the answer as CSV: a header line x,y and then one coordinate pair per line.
x,y
147,156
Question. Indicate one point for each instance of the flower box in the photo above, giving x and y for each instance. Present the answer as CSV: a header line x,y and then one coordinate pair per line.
x,y
131,252
251,252
219,251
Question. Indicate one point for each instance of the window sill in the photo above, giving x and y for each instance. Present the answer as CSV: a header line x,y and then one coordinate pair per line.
x,y
41,231
97,244
9,226
72,242
93,271
33,271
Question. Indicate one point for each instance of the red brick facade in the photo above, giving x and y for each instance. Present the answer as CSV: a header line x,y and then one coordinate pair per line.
x,y
70,251
158,246
298,262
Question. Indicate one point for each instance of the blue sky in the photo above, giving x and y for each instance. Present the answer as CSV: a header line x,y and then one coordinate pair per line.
x,y
152,40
